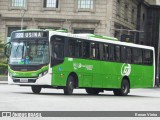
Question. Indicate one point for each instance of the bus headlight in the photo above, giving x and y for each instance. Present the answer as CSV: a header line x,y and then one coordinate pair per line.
x,y
44,73
40,75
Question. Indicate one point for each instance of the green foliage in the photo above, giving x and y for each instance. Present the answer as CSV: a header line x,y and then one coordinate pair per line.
x,y
1,44
3,60
3,69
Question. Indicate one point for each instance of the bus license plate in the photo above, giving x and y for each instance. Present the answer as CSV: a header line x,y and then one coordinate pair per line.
x,y
24,80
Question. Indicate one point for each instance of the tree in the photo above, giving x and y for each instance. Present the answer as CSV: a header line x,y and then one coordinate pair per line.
x,y
2,57
3,60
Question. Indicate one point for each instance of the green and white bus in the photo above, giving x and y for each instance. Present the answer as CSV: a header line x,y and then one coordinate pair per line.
x,y
56,59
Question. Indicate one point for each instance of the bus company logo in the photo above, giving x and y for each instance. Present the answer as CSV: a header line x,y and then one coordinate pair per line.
x,y
125,69
79,65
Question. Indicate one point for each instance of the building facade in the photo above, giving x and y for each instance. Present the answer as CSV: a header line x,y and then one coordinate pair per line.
x,y
103,17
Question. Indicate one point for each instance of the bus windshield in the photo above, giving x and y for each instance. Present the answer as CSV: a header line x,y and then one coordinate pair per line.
x,y
29,52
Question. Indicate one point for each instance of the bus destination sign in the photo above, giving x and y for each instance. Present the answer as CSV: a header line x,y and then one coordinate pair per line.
x,y
28,35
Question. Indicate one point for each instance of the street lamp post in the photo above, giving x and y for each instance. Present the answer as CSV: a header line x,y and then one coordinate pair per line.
x,y
22,19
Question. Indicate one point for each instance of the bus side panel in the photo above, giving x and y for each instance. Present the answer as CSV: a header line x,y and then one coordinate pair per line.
x,y
78,66
86,66
118,76
141,76
110,75
138,71
148,76
60,73
98,70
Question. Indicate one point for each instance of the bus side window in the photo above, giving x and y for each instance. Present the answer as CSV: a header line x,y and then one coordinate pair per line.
x,y
111,53
128,55
57,47
92,50
79,49
101,51
86,49
72,48
123,54
147,57
117,53
137,56
105,52
97,51
58,51
140,56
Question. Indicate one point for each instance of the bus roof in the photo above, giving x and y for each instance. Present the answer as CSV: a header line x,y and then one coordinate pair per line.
x,y
60,30
98,39
93,37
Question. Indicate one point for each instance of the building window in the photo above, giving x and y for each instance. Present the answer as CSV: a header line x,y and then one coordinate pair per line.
x,y
18,4
11,29
77,31
50,4
118,7
85,4
126,12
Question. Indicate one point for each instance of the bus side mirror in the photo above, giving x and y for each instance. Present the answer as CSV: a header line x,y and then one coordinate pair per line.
x,y
7,49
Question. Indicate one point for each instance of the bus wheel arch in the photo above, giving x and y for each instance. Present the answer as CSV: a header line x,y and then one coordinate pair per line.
x,y
75,76
124,89
72,82
126,78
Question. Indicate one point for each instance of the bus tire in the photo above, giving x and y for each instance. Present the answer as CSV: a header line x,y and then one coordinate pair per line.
x,y
92,91
124,90
36,89
68,90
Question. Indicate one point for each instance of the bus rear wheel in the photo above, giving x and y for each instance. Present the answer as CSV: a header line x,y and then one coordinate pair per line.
x,y
124,90
92,91
36,89
68,90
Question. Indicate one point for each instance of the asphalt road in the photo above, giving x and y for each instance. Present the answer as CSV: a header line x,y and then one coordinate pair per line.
x,y
16,98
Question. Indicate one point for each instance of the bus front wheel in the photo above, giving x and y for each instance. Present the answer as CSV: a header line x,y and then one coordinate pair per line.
x,y
92,91
36,89
124,90
68,90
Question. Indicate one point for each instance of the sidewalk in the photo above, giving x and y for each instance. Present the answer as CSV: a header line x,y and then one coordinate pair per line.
x,y
3,79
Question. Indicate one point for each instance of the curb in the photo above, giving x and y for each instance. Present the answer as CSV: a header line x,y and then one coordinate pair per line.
x,y
3,82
